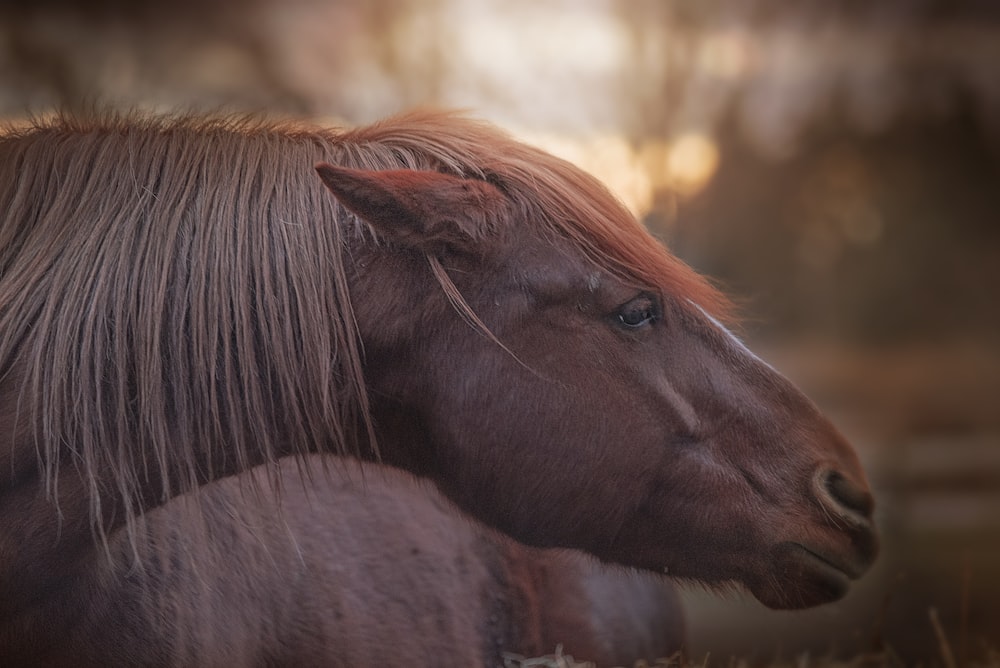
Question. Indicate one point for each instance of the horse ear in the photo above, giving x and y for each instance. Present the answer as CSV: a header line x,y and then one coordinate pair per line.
x,y
422,209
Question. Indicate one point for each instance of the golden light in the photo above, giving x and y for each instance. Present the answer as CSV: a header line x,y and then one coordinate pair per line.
x,y
512,42
684,165
691,161
610,158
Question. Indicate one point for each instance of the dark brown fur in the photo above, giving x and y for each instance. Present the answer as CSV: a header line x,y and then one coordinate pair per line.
x,y
182,299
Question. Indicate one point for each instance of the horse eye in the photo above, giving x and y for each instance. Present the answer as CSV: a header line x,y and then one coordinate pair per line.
x,y
638,313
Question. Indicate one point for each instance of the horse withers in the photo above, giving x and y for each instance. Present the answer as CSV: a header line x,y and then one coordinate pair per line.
x,y
182,299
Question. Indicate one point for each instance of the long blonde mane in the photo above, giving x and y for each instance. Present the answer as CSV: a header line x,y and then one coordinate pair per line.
x,y
169,284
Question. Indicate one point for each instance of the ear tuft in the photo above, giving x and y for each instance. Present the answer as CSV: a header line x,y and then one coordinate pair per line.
x,y
422,209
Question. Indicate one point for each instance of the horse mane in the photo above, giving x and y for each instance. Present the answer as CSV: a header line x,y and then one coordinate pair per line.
x,y
550,192
172,282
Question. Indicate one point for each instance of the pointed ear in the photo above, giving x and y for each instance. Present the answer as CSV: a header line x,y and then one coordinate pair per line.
x,y
421,209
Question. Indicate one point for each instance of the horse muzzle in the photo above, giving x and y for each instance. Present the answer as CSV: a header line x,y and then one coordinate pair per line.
x,y
819,567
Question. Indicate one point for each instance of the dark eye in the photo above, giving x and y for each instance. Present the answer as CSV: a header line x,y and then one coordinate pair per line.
x,y
639,312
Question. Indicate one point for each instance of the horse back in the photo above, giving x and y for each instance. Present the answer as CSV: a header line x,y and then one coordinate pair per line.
x,y
361,565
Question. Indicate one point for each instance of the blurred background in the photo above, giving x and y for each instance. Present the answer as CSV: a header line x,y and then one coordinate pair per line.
x,y
834,164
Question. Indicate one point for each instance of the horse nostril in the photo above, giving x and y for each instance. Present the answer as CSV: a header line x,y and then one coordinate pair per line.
x,y
847,494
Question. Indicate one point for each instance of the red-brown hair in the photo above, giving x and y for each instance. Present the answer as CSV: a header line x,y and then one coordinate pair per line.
x,y
174,283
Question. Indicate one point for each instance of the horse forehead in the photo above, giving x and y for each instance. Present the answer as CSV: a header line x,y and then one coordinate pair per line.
x,y
556,272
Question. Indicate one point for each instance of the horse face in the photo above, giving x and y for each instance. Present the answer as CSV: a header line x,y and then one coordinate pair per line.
x,y
615,418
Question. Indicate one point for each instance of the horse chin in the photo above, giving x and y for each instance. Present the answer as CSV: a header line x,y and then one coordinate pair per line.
x,y
803,578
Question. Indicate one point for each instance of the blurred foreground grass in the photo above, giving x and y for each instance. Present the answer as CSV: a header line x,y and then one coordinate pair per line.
x,y
883,657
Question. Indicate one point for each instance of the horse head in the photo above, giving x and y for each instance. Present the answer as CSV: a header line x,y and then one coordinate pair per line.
x,y
573,385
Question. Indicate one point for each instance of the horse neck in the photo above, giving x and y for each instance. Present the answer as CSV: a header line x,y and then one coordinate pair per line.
x,y
57,496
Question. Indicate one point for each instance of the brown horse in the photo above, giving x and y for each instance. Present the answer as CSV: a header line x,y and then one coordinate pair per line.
x,y
181,299
394,576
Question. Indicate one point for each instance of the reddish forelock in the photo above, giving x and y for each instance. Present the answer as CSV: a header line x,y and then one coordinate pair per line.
x,y
550,192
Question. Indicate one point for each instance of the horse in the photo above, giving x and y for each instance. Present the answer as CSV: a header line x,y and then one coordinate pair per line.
x,y
400,579
185,298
